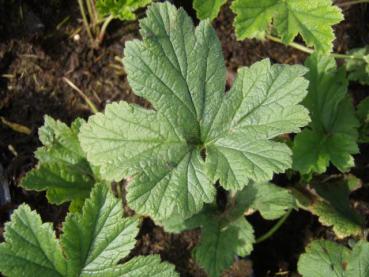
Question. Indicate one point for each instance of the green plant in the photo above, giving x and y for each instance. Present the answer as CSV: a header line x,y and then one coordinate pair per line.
x,y
98,14
91,244
325,258
197,134
333,132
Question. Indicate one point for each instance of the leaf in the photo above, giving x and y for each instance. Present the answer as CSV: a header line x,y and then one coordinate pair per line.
x,y
208,8
362,114
324,258
121,9
62,170
358,68
92,243
270,200
313,20
179,69
334,207
332,134
219,244
30,247
98,237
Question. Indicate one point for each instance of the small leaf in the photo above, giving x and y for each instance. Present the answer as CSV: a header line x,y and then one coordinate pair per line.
x,y
332,134
30,247
359,68
219,244
313,20
270,200
324,258
63,170
334,208
121,9
208,8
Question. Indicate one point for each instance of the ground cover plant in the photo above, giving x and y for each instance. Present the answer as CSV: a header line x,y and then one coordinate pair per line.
x,y
225,159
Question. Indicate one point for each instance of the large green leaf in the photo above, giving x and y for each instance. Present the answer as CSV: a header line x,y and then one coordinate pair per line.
x,y
180,70
62,170
121,9
324,258
313,20
92,243
332,135
208,8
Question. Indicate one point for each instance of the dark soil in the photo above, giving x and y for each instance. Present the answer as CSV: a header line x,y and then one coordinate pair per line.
x,y
37,51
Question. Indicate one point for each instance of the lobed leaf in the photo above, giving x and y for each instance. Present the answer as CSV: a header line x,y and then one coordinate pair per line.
x,y
313,20
92,243
325,258
358,69
332,135
180,70
62,170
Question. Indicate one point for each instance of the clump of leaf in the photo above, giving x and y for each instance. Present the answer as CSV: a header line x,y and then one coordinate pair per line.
x,y
331,204
208,8
325,258
359,68
92,243
62,169
120,9
362,114
312,19
227,233
333,132
180,70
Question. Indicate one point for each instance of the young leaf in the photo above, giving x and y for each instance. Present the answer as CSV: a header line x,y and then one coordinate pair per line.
x,y
362,114
332,134
313,20
92,243
324,258
334,208
208,8
121,9
180,70
359,69
62,170
227,234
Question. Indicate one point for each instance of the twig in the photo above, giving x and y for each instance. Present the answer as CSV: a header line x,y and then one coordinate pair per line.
x,y
84,96
274,228
16,127
308,50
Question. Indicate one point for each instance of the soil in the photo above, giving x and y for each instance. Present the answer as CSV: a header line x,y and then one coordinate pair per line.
x,y
42,42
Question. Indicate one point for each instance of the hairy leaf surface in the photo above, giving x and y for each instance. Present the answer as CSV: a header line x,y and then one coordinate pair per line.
x,y
180,70
92,243
332,134
325,258
313,20
62,170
